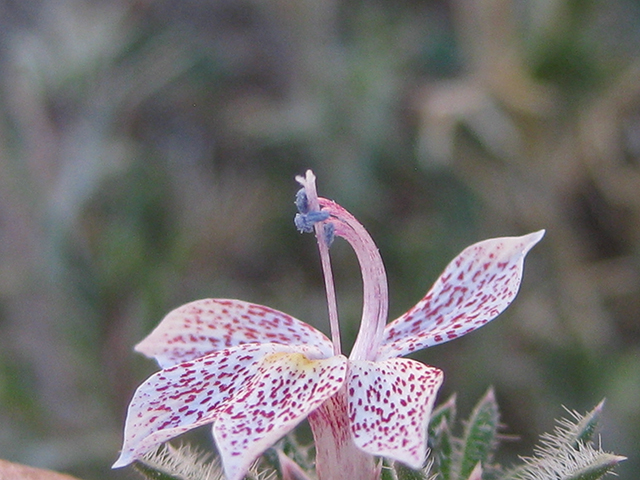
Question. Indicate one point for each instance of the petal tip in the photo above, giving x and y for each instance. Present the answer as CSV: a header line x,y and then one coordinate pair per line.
x,y
530,240
142,347
537,236
122,461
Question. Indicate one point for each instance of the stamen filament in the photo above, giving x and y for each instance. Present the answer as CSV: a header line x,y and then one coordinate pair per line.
x,y
309,184
330,289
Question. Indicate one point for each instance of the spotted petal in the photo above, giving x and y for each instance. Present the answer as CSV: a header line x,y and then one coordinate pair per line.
x,y
476,287
390,403
187,395
204,326
285,390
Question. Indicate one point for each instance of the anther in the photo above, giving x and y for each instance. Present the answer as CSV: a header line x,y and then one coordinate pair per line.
x,y
329,233
302,201
305,221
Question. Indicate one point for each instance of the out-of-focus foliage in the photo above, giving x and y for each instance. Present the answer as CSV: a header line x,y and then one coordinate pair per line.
x,y
147,156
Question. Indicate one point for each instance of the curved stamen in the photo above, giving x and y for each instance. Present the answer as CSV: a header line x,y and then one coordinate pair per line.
x,y
328,219
374,280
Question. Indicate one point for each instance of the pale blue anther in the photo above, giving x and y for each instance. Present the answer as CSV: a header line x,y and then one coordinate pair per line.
x,y
329,233
302,202
305,221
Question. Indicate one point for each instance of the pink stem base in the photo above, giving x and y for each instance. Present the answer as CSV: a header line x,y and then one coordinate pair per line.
x,y
337,457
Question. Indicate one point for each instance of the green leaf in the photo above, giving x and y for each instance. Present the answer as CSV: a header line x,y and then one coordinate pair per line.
x,y
153,474
480,435
388,470
440,440
583,431
446,411
442,450
178,463
397,471
405,473
584,464
567,453
598,468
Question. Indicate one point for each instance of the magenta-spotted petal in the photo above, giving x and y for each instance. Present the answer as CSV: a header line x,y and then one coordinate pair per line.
x,y
187,395
476,287
204,326
286,388
390,403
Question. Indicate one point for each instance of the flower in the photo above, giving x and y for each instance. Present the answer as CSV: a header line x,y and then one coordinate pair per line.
x,y
254,373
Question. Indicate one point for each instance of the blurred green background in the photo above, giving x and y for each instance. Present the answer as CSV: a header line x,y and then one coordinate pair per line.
x,y
148,151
